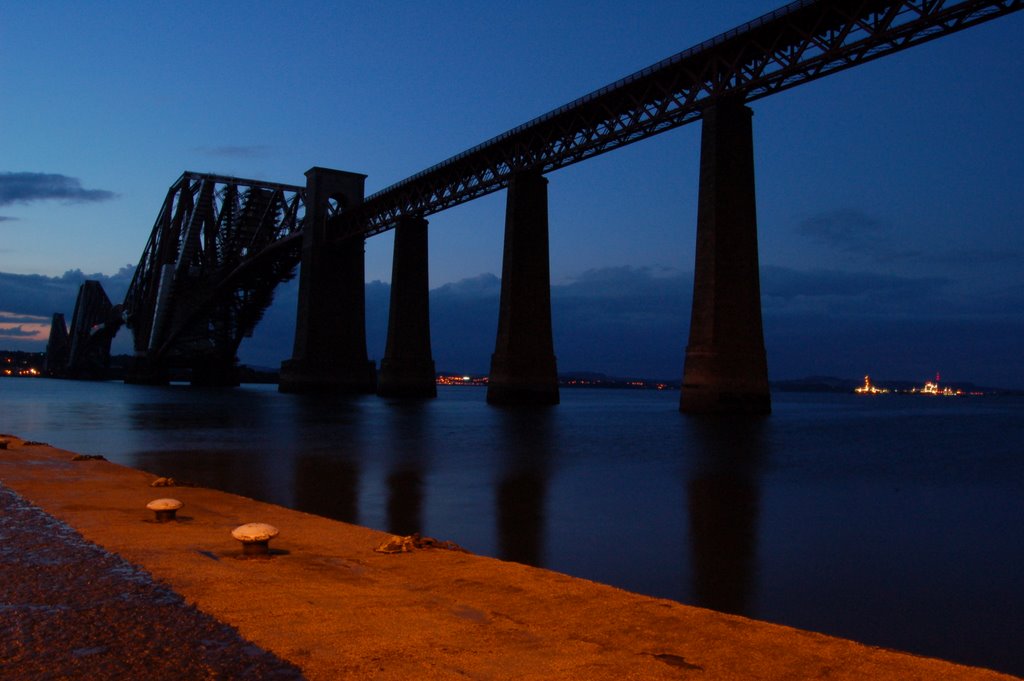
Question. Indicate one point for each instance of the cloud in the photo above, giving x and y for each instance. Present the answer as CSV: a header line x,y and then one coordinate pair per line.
x,y
785,290
24,332
635,322
4,218
854,232
972,257
480,285
848,229
39,296
28,302
28,187
233,151
23,327
7,317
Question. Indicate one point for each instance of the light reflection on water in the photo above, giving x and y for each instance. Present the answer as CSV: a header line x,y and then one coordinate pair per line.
x,y
894,520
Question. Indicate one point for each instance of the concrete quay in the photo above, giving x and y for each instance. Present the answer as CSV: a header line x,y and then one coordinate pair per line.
x,y
326,602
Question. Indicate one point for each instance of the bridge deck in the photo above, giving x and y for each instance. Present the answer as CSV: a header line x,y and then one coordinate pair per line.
x,y
798,43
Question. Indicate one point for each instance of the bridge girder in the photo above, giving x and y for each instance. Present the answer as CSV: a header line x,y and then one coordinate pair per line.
x,y
219,247
797,43
84,351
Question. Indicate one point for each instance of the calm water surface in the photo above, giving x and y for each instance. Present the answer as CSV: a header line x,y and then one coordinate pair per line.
x,y
894,520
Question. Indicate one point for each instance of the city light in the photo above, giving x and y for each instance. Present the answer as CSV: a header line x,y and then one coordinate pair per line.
x,y
929,388
26,364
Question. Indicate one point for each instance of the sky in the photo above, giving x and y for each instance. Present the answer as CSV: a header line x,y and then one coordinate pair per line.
x,y
889,196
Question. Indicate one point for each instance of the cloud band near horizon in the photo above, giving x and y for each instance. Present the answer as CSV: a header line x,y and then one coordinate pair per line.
x,y
635,321
24,187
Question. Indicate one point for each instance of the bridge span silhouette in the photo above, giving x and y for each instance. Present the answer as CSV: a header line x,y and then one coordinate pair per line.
x,y
220,245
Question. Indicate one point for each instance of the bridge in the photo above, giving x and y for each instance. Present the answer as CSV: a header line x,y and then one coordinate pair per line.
x,y
220,245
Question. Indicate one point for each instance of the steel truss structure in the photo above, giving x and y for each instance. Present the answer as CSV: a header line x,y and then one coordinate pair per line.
x,y
94,324
221,245
800,42
218,249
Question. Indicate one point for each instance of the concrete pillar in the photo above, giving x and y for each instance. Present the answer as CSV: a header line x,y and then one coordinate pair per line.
x,y
407,369
523,367
57,346
725,368
330,331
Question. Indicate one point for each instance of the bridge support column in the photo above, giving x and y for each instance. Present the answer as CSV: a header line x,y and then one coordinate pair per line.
x,y
725,368
407,369
330,330
523,367
57,347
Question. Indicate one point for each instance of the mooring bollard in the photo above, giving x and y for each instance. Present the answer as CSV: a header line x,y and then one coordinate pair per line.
x,y
165,509
255,538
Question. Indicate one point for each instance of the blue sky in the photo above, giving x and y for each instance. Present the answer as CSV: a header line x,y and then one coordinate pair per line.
x,y
889,196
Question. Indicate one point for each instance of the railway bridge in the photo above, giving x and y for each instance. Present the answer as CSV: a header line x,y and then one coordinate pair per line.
x,y
221,245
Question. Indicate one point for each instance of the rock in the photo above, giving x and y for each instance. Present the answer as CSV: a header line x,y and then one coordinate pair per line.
x,y
397,544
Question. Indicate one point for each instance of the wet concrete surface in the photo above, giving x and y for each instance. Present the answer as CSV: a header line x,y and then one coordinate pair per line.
x,y
69,609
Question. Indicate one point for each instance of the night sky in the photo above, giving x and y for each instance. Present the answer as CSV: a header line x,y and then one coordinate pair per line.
x,y
890,200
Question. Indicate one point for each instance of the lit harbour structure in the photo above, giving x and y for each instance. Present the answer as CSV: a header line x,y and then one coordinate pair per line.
x,y
934,389
929,388
869,389
444,379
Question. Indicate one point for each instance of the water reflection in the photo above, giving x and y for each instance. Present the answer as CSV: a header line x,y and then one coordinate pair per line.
x,y
330,446
408,448
191,445
723,499
526,454
327,484
177,409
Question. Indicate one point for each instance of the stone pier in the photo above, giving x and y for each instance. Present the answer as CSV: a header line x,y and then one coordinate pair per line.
x,y
407,369
330,331
523,369
725,368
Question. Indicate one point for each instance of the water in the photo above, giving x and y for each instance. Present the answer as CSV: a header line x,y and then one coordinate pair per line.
x,y
893,520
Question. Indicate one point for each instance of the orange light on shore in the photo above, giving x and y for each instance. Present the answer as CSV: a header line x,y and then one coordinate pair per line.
x,y
930,388
869,389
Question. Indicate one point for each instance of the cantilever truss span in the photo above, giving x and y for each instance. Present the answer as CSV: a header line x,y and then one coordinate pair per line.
x,y
218,249
795,44
220,245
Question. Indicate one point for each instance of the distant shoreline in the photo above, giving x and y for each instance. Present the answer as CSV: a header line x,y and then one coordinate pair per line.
x,y
13,361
